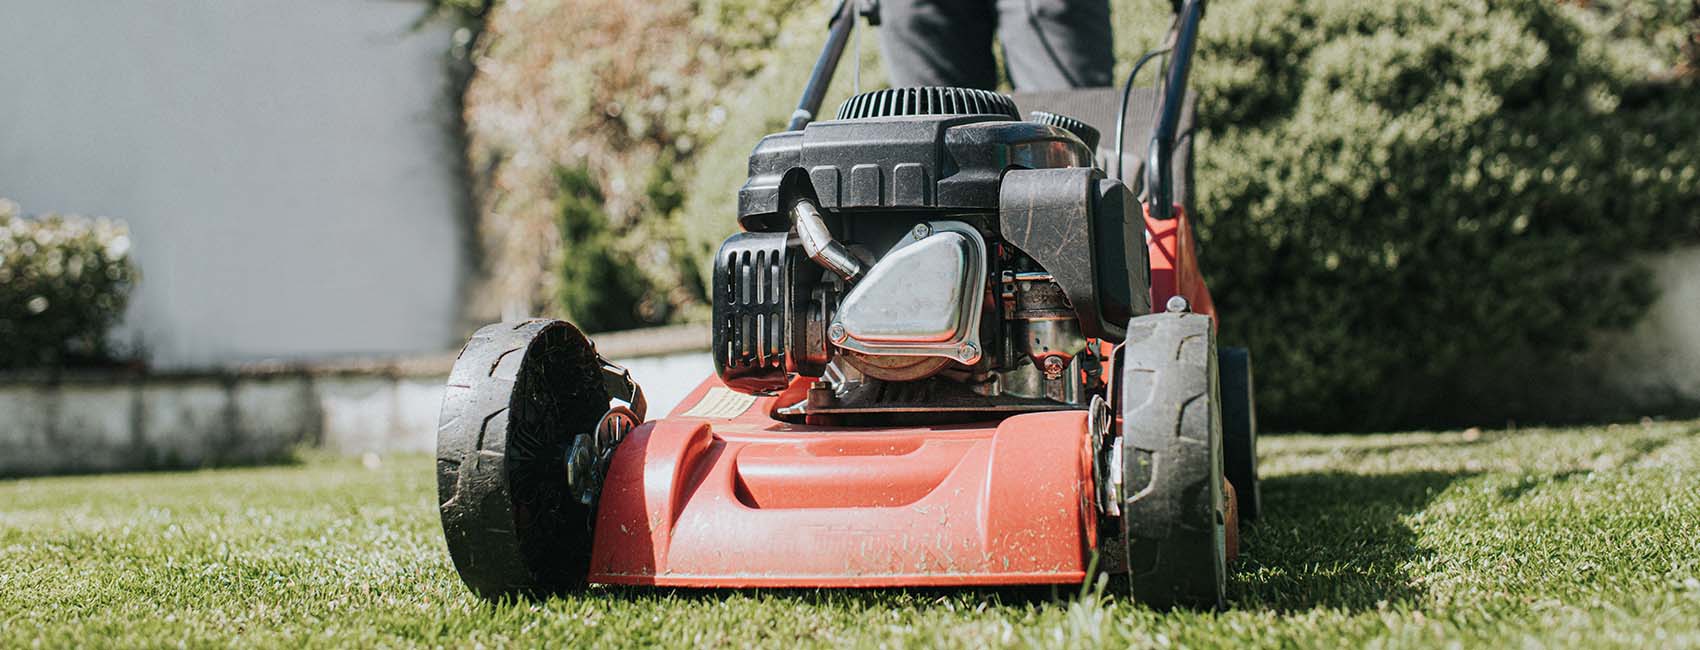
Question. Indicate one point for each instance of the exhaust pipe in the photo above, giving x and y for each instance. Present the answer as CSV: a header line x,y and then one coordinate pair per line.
x,y
820,246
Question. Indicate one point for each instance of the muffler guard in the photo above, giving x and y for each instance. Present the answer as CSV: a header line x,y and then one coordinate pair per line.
x,y
748,501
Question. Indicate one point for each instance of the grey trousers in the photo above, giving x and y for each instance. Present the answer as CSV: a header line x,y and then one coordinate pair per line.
x,y
1047,44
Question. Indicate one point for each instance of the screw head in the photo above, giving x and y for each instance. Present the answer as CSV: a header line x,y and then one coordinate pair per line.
x,y
921,231
967,352
836,333
1178,304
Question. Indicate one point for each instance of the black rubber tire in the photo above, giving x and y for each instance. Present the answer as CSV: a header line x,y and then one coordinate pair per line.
x,y
515,398
1239,430
1174,512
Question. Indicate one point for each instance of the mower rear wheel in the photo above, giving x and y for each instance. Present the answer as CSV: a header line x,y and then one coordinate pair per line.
x,y
1239,430
515,398
1175,510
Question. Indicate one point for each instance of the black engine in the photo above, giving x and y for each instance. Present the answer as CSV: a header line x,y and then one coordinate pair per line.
x,y
928,251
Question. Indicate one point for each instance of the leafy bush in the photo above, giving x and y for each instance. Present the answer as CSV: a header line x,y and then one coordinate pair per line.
x,y
622,94
64,281
600,288
1411,211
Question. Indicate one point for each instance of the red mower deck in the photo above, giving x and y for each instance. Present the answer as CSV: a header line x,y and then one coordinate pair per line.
x,y
749,501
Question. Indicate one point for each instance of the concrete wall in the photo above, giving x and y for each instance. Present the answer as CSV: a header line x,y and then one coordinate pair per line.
x,y
287,169
106,422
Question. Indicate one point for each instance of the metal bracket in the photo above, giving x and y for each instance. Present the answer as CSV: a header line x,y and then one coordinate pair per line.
x,y
587,460
1106,457
622,389
588,457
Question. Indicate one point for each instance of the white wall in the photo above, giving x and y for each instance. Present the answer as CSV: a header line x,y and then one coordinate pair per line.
x,y
285,166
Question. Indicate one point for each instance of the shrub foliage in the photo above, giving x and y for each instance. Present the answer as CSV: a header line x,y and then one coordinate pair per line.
x,y
603,100
602,291
1409,208
64,281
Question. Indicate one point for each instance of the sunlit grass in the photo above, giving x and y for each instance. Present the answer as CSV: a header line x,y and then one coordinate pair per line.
x,y
1584,537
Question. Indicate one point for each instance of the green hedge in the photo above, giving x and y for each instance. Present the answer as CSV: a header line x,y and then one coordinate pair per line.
x,y
1418,213
600,288
64,282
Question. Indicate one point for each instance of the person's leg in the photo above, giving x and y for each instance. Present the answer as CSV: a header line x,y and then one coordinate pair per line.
x,y
1057,44
939,42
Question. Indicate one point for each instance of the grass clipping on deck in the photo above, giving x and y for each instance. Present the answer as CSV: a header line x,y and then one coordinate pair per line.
x,y
1565,537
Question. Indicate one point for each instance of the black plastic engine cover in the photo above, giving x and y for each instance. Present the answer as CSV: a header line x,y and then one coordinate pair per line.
x,y
909,162
1088,232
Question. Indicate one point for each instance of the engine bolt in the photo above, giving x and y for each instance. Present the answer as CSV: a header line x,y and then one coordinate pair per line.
x,y
967,352
836,333
1178,304
1054,367
921,231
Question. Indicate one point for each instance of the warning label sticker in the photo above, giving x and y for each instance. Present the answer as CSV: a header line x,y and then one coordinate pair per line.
x,y
721,402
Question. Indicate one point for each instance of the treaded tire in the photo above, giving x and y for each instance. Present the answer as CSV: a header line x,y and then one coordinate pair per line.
x,y
516,396
1174,514
1239,431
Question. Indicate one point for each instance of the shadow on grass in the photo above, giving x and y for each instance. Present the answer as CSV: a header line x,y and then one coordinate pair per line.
x,y
1336,539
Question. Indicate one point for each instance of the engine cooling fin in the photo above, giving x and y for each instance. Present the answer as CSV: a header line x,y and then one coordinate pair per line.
x,y
927,100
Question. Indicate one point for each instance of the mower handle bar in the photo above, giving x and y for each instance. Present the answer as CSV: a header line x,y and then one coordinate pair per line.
x,y
1159,170
838,34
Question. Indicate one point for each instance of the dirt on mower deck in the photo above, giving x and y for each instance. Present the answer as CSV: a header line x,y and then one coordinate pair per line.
x,y
1582,537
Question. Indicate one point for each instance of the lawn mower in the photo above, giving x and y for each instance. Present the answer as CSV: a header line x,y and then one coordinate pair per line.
x,y
949,349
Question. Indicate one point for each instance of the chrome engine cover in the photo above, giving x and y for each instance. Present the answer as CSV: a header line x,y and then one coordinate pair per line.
x,y
921,300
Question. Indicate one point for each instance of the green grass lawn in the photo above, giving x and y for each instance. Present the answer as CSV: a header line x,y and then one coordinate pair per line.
x,y
1566,537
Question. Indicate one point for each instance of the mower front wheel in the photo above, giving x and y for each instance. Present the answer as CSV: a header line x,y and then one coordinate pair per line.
x,y
1175,509
515,399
